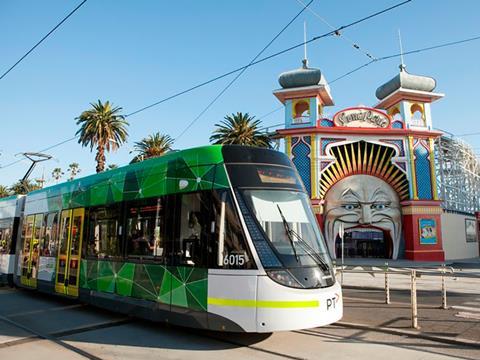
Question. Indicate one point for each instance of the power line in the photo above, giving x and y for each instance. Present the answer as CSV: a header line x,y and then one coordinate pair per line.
x,y
416,51
333,32
331,82
42,39
340,35
241,72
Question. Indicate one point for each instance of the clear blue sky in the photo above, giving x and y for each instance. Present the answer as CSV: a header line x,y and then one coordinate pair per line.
x,y
136,52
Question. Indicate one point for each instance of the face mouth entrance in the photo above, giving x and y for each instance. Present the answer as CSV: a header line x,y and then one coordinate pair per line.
x,y
365,242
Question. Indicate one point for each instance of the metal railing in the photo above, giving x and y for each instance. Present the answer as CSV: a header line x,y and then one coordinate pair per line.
x,y
443,272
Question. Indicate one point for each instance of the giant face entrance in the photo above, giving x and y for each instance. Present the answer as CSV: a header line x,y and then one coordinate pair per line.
x,y
365,243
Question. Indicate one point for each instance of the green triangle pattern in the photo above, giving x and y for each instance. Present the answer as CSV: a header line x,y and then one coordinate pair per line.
x,y
180,286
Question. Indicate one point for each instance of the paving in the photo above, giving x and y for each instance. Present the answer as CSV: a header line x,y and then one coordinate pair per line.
x,y
36,326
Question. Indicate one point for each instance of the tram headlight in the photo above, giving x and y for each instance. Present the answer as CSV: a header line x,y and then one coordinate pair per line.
x,y
283,277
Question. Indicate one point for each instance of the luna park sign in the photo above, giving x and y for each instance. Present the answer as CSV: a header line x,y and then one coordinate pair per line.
x,y
361,118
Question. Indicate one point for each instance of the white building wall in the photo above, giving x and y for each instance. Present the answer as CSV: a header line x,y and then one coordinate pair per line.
x,y
455,243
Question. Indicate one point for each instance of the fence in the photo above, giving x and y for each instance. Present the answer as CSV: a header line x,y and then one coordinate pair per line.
x,y
442,272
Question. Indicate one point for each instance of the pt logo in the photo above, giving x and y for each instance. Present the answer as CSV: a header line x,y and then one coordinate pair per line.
x,y
332,302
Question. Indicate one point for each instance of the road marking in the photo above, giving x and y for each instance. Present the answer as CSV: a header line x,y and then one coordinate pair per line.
x,y
466,308
477,303
467,315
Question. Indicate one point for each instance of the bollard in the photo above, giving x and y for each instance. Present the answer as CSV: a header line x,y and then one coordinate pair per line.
x,y
414,299
387,286
444,289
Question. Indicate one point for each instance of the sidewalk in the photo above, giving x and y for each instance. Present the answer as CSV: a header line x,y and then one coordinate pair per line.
x,y
473,263
443,325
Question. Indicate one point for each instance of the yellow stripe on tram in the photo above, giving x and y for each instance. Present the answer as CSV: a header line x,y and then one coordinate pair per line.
x,y
263,303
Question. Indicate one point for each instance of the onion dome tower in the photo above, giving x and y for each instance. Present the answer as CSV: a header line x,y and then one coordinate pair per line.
x,y
304,93
407,98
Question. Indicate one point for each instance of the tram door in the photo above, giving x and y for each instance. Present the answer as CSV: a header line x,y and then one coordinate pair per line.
x,y
30,254
69,252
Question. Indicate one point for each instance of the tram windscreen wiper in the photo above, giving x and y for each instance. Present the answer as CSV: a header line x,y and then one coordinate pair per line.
x,y
288,231
310,251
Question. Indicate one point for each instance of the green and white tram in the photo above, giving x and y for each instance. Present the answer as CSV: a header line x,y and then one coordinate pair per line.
x,y
216,237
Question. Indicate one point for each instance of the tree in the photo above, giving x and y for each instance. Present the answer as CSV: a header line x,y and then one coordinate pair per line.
x,y
57,174
152,146
4,191
24,187
102,127
74,169
240,129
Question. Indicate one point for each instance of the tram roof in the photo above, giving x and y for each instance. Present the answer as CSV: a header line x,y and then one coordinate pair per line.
x,y
148,178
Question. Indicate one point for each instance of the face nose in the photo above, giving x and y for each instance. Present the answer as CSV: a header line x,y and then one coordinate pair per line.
x,y
366,217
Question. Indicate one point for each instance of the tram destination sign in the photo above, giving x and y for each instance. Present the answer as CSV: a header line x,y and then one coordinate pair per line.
x,y
361,118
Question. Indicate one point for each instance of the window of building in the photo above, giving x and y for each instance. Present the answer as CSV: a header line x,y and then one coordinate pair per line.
x,y
48,242
104,235
229,248
146,228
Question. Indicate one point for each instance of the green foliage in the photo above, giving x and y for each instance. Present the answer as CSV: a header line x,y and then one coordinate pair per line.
x,y
24,187
57,174
4,191
154,145
73,169
240,129
102,127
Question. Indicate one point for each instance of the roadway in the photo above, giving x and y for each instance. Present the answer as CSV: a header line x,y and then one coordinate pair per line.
x,y
34,326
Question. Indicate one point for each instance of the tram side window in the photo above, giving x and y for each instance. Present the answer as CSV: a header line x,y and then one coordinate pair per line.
x,y
104,235
5,235
146,228
229,248
192,229
49,244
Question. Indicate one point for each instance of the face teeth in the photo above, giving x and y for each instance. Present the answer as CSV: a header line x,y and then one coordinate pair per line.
x,y
370,230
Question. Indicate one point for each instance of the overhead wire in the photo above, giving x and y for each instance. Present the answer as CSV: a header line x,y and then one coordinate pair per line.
x,y
330,33
340,35
331,82
241,72
333,32
42,39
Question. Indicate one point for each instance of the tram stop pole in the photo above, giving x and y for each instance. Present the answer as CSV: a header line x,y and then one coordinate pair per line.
x,y
387,285
444,289
414,299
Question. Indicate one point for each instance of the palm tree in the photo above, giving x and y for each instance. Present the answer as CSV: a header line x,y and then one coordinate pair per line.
x,y
22,187
240,129
102,127
4,191
57,174
74,169
154,145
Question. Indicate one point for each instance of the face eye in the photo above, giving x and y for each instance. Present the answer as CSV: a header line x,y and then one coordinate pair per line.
x,y
379,206
350,206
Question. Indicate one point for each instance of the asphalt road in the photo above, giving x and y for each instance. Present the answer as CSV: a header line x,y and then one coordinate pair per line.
x,y
34,326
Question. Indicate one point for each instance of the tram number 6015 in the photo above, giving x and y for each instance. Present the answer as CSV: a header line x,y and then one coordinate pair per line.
x,y
234,259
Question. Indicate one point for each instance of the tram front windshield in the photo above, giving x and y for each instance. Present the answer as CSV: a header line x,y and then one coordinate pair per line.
x,y
289,224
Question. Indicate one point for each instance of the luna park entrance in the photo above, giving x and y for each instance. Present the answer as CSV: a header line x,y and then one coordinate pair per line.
x,y
365,244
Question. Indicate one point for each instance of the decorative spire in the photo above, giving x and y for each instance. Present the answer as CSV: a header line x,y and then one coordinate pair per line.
x,y
305,59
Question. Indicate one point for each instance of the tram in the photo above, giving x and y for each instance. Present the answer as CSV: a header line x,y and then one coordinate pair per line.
x,y
11,209
216,237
